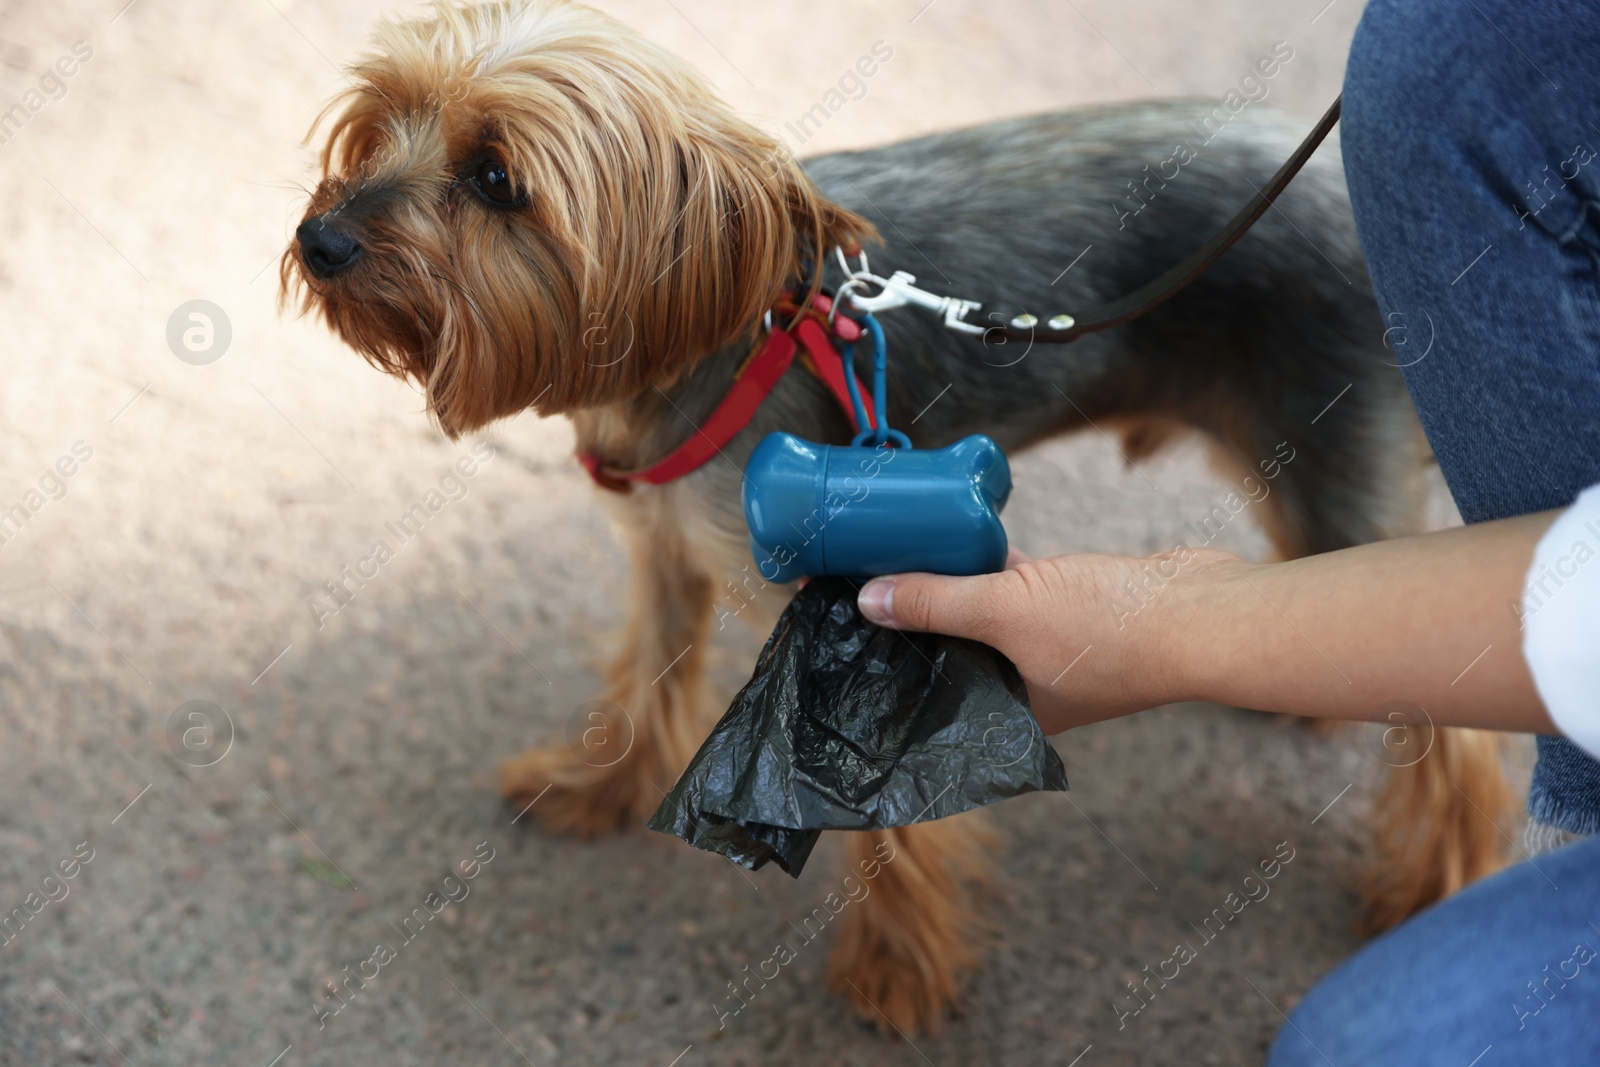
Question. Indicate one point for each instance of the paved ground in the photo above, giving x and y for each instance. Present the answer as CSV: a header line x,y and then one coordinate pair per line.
x,y
351,764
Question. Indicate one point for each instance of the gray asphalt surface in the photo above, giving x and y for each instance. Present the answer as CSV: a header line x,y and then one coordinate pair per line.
x,y
349,763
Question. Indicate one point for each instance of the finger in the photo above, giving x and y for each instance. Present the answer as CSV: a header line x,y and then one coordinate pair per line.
x,y
1015,558
964,607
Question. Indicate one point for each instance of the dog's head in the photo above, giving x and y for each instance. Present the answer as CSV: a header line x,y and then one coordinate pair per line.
x,y
526,204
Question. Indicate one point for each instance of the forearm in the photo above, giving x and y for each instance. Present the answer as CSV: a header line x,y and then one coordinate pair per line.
x,y
1428,620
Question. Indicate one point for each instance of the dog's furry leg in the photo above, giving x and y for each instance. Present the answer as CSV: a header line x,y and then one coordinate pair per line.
x,y
1438,826
656,677
903,948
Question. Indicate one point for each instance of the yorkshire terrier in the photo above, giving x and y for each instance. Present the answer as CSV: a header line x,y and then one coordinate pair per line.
x,y
527,205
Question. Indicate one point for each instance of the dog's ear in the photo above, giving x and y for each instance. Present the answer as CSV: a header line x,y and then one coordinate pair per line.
x,y
750,223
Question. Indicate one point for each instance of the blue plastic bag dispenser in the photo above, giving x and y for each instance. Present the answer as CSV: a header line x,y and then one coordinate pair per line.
x,y
863,511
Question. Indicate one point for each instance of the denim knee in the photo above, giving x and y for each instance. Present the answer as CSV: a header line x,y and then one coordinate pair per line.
x,y
1460,977
1452,110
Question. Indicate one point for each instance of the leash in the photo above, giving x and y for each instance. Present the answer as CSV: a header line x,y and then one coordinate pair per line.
x,y
898,290
812,331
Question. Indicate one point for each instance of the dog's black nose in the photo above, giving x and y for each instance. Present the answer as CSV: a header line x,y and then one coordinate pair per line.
x,y
325,249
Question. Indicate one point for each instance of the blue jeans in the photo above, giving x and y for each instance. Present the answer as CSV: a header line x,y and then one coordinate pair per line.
x,y
1455,146
1510,965
1471,140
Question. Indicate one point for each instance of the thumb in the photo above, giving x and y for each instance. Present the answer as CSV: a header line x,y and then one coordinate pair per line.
x,y
963,607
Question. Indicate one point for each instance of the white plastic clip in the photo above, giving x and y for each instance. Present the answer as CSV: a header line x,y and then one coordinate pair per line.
x,y
899,290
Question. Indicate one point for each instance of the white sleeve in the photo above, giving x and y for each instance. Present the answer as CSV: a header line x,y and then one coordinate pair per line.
x,y
1561,621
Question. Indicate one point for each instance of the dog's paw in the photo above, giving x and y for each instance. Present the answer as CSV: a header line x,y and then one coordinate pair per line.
x,y
903,982
903,948
565,791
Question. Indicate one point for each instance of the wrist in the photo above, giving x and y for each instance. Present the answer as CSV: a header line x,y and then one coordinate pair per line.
x,y
1198,638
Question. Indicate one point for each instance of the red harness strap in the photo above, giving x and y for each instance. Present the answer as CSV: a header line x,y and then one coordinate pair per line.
x,y
759,375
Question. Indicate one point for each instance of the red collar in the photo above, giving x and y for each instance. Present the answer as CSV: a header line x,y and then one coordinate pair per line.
x,y
810,335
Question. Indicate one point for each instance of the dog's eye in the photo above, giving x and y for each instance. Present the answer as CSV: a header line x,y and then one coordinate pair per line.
x,y
494,183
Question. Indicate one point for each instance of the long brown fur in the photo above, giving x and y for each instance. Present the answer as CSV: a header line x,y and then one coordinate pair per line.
x,y
901,955
1439,824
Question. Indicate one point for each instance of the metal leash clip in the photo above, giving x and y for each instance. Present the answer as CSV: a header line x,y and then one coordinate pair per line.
x,y
898,291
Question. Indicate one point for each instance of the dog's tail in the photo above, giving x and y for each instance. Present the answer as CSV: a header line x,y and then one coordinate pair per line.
x,y
1439,824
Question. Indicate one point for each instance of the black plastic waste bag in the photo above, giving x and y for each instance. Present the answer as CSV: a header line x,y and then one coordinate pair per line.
x,y
847,726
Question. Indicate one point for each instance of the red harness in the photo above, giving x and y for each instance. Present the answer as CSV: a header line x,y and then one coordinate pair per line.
x,y
808,335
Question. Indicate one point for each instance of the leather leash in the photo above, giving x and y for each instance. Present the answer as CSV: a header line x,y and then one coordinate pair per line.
x,y
1167,285
901,290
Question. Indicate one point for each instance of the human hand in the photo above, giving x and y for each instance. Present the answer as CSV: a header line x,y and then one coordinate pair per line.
x,y
1092,635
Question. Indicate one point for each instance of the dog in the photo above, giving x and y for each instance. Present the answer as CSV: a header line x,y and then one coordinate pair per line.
x,y
525,205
